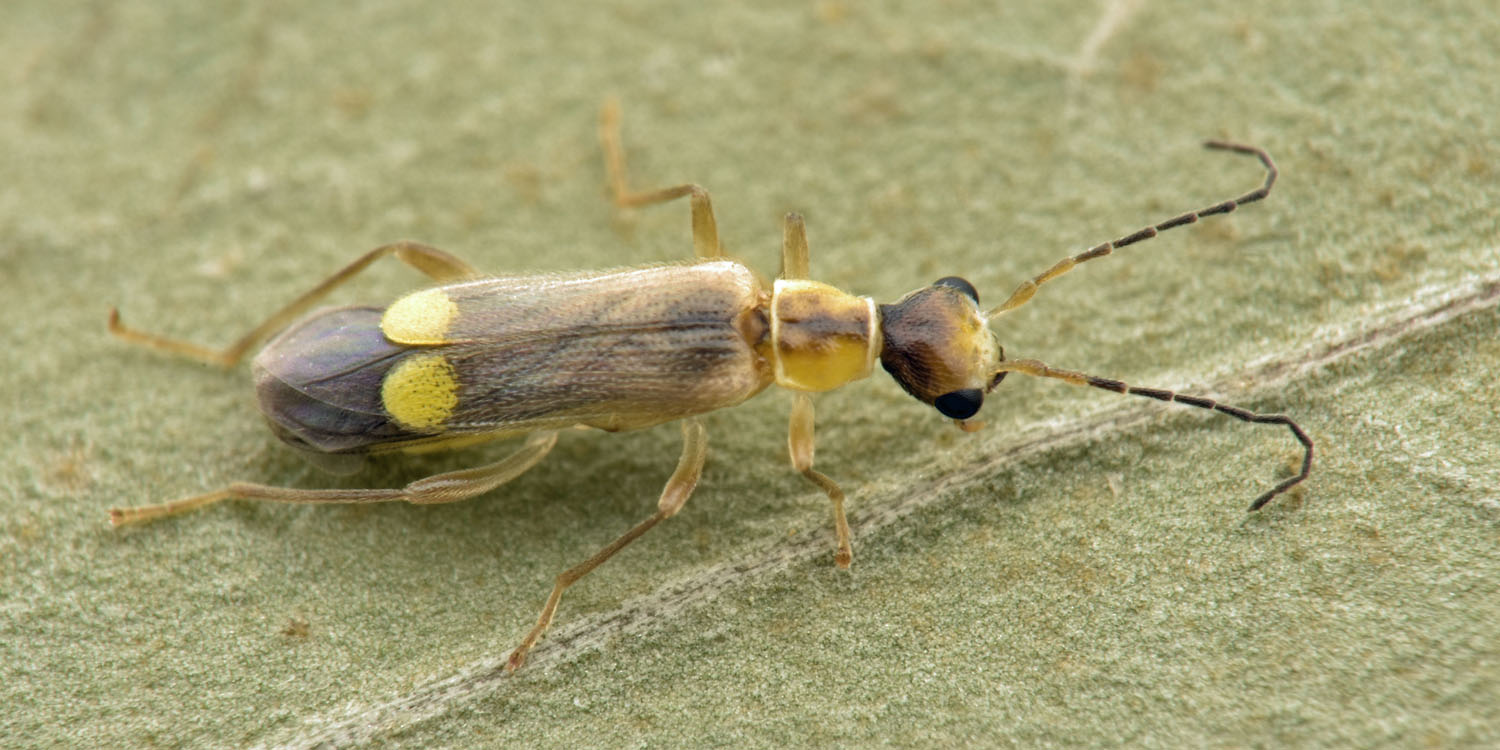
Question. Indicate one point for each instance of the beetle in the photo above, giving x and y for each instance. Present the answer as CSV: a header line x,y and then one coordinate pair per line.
x,y
478,358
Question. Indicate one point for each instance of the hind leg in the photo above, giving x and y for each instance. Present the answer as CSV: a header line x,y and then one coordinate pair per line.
x,y
435,263
438,488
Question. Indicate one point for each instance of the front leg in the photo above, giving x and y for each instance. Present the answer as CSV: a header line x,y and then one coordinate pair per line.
x,y
801,444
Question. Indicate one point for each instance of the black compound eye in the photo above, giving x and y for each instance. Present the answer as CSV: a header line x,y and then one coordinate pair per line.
x,y
961,284
960,404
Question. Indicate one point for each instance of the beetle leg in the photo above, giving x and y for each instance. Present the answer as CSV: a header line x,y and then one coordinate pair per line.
x,y
673,497
431,261
705,229
439,488
800,442
794,263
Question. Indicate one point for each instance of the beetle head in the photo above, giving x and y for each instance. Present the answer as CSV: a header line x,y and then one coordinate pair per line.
x,y
937,344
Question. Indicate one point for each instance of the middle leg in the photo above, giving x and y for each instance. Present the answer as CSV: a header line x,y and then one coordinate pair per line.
x,y
679,487
705,229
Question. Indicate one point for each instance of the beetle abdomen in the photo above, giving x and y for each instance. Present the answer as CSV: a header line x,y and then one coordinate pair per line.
x,y
510,355
319,382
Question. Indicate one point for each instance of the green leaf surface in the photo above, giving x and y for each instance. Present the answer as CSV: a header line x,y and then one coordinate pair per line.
x,y
1082,572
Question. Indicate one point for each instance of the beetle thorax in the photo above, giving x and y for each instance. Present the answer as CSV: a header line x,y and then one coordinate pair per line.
x,y
821,337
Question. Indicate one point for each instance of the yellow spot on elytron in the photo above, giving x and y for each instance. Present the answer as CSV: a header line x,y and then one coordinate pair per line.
x,y
420,318
421,392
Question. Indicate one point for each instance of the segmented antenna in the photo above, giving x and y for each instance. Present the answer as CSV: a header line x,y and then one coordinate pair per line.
x,y
1243,415
1024,292
1037,368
